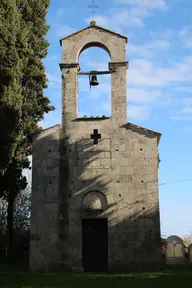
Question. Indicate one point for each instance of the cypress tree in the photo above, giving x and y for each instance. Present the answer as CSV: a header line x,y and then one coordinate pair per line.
x,y
22,74
11,66
34,81
22,83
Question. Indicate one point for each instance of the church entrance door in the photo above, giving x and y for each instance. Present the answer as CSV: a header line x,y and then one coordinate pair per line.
x,y
95,245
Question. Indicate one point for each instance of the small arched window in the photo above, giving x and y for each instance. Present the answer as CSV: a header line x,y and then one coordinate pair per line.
x,y
94,200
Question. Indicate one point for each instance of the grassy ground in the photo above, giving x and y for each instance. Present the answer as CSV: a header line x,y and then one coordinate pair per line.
x,y
170,277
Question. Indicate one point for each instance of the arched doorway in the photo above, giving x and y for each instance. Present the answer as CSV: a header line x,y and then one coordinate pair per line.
x,y
94,233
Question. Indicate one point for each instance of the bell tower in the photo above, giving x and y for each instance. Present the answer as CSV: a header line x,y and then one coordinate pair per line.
x,y
72,46
95,180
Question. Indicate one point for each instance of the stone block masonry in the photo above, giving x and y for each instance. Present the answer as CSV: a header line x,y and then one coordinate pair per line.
x,y
95,181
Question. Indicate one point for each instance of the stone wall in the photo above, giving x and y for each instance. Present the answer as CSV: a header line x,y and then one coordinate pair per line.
x,y
112,43
44,212
122,167
72,47
128,180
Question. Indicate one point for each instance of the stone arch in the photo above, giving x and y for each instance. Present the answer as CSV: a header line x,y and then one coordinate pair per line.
x,y
94,44
175,250
72,47
94,200
99,56
174,240
114,45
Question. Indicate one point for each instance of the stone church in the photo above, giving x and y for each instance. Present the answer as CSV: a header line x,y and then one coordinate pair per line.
x,y
95,202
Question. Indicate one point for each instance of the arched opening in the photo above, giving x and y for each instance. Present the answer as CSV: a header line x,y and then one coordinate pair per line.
x,y
94,101
94,200
96,45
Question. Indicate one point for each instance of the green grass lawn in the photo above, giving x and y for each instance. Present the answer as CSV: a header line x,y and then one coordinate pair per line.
x,y
171,277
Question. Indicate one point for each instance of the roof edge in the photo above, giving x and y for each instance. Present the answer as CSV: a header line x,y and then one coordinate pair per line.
x,y
33,135
96,26
158,134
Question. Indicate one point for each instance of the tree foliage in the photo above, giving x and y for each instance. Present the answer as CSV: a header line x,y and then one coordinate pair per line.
x,y
12,41
22,82
22,74
21,212
34,81
187,239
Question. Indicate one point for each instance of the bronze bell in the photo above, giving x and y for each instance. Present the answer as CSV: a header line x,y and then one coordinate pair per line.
x,y
93,81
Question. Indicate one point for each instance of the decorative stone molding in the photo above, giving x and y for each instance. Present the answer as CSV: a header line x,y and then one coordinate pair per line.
x,y
69,65
114,65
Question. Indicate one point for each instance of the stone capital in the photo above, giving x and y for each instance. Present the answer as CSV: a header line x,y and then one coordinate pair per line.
x,y
69,65
114,65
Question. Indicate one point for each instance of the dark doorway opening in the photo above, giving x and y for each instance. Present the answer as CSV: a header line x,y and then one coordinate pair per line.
x,y
95,245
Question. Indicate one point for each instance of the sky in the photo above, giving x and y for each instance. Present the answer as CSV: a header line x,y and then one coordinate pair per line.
x,y
159,84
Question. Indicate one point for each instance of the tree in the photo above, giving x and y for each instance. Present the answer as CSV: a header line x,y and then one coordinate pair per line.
x,y
21,222
22,73
12,183
34,81
187,239
22,83
12,42
21,211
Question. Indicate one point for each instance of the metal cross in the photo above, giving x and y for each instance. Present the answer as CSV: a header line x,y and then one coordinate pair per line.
x,y
95,136
93,6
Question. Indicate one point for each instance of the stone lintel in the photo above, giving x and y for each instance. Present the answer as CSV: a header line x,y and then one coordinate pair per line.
x,y
69,65
114,65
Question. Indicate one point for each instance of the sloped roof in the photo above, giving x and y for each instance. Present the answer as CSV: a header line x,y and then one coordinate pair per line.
x,y
143,130
33,135
97,27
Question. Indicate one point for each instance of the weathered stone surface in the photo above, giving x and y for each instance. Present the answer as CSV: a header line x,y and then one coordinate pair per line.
x,y
175,250
122,167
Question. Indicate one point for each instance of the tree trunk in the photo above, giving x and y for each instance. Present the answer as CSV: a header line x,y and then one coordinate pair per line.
x,y
10,230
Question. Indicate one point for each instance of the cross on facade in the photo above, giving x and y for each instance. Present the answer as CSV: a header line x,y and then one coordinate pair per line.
x,y
93,7
95,136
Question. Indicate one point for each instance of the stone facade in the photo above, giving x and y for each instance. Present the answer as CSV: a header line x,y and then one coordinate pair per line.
x,y
74,179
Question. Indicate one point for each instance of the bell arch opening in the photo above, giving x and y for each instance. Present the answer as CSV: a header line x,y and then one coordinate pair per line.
x,y
95,45
94,101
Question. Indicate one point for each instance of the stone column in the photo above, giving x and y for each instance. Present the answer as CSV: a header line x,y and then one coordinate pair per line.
x,y
69,92
119,91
